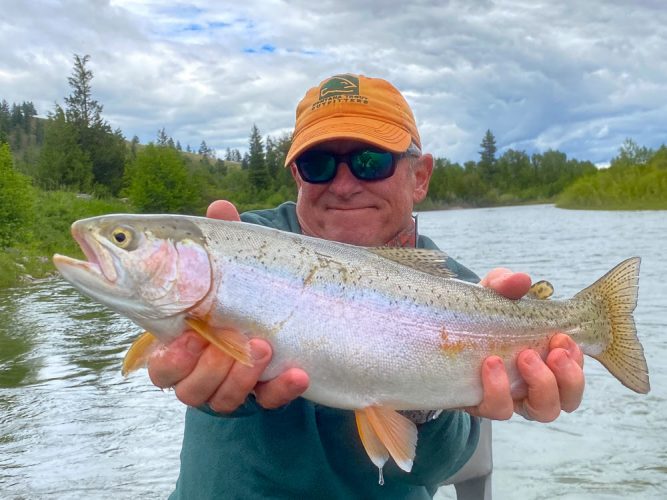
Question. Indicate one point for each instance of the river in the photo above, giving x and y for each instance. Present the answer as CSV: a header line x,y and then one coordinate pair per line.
x,y
71,426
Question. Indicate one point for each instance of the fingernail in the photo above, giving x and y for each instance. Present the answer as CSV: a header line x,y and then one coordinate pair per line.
x,y
531,358
563,360
496,365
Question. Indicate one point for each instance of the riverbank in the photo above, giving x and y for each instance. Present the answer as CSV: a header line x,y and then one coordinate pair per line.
x,y
29,257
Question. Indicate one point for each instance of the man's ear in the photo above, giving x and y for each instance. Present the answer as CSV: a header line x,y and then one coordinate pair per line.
x,y
295,175
423,172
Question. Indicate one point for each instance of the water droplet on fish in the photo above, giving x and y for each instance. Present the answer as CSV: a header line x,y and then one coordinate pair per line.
x,y
380,477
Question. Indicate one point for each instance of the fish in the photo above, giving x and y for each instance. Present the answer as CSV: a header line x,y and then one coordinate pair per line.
x,y
378,330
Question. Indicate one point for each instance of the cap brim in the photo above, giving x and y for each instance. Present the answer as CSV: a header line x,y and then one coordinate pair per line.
x,y
376,132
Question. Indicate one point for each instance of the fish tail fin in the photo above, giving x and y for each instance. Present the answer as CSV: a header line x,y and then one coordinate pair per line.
x,y
616,293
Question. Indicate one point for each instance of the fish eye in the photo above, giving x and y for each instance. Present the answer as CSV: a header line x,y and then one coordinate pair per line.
x,y
121,237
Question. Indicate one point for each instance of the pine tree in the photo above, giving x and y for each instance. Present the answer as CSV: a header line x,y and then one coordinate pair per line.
x,y
101,146
80,107
258,174
487,162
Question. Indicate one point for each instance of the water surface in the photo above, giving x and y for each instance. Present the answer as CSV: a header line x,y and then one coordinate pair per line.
x,y
72,427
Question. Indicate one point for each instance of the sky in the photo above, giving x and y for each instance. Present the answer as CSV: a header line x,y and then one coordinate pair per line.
x,y
576,76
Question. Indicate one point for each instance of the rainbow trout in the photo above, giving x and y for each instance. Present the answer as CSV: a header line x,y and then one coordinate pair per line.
x,y
376,329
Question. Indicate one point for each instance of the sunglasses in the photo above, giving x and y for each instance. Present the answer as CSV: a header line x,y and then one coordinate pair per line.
x,y
318,167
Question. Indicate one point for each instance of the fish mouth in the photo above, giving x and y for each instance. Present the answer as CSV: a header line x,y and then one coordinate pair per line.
x,y
99,265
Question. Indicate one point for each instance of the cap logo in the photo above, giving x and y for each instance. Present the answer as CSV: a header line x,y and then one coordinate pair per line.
x,y
340,85
338,89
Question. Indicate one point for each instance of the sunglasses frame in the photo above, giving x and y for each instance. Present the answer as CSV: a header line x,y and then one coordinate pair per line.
x,y
340,158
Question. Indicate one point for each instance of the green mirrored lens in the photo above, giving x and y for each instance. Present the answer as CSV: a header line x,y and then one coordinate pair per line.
x,y
371,165
316,166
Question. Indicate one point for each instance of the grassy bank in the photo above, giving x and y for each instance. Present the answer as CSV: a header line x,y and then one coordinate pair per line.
x,y
30,256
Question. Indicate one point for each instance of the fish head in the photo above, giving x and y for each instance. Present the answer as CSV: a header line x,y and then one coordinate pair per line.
x,y
147,267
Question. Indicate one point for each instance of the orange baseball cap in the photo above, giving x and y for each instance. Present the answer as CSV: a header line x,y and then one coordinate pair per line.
x,y
354,107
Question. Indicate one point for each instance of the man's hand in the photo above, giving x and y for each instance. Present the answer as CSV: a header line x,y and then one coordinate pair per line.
x,y
554,385
200,373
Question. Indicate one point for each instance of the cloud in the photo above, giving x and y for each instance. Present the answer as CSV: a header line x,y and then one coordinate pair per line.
x,y
577,76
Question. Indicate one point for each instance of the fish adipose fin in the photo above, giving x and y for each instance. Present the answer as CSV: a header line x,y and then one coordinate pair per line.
x,y
386,432
421,259
541,290
624,357
231,342
139,352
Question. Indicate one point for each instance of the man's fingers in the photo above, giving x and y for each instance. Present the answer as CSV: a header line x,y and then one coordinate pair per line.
x,y
543,401
281,390
565,361
497,402
505,282
223,209
241,379
211,369
565,342
174,362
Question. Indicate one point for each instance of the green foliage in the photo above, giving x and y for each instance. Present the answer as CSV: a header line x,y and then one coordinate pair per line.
x,y
259,175
31,256
62,162
57,211
80,151
622,187
513,178
159,181
487,157
631,154
16,201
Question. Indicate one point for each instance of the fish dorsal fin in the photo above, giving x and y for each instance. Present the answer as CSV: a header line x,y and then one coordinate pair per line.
x,y
386,432
231,342
541,290
427,261
139,352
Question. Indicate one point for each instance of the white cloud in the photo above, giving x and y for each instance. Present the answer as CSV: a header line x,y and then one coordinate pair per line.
x,y
577,76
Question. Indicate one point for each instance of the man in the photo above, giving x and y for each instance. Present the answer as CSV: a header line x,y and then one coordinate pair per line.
x,y
357,162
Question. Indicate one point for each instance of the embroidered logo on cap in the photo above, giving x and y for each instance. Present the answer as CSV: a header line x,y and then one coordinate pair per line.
x,y
340,85
340,89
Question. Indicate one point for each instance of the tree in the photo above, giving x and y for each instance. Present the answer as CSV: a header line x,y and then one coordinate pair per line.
x,y
259,176
105,148
272,158
62,162
16,201
487,154
630,154
162,137
159,181
81,109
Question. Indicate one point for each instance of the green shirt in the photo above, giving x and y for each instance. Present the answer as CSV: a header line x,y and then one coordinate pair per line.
x,y
306,450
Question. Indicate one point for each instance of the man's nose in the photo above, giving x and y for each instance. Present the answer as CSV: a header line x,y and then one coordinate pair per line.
x,y
345,183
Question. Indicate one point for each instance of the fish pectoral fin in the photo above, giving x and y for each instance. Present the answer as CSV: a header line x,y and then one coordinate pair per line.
x,y
139,352
541,290
385,432
231,342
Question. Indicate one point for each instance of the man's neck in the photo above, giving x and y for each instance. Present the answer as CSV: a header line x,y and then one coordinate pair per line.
x,y
406,238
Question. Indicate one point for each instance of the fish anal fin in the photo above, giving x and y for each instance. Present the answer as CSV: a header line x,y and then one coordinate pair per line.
x,y
139,352
541,290
396,434
421,259
231,342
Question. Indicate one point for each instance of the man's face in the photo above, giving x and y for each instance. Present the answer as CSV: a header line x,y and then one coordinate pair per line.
x,y
367,213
